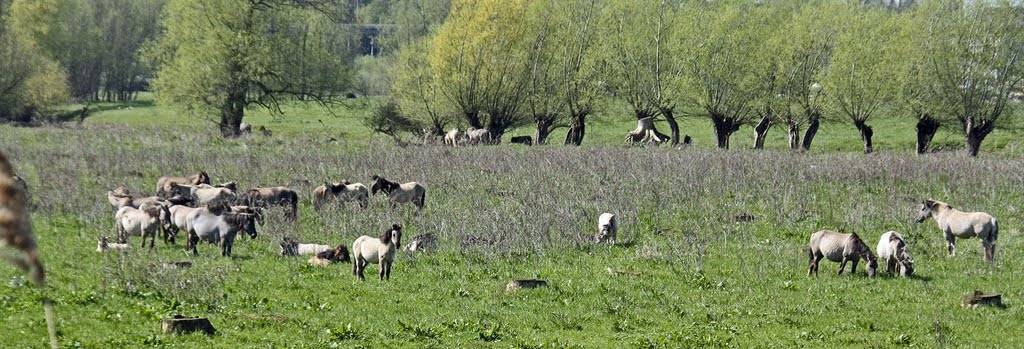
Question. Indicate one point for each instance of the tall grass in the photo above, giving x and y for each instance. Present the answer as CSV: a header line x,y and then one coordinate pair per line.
x,y
707,279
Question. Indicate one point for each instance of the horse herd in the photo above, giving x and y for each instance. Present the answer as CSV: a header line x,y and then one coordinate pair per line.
x,y
892,248
217,214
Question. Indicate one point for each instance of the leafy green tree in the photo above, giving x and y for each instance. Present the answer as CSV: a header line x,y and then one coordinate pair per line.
x,y
415,89
860,77
480,59
806,47
722,72
917,83
977,58
30,82
639,52
219,57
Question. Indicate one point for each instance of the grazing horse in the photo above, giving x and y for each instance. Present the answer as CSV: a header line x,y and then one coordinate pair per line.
x,y
842,248
281,196
607,227
146,221
892,249
452,137
163,185
291,247
340,192
180,213
381,251
964,225
103,245
220,228
400,193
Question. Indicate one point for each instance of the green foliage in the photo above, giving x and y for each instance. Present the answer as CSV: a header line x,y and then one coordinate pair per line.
x,y
861,75
29,82
387,119
219,57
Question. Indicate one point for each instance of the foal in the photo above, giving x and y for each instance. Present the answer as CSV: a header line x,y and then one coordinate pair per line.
x,y
381,251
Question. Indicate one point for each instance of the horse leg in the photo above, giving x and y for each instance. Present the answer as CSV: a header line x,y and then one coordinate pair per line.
x,y
853,268
990,249
842,265
891,264
951,245
383,266
388,275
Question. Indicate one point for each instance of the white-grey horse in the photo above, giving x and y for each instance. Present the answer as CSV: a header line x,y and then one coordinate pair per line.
x,y
221,229
146,221
381,251
842,248
607,228
963,225
892,250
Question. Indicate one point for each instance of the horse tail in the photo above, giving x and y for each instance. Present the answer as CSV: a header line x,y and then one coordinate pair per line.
x,y
995,229
355,257
295,204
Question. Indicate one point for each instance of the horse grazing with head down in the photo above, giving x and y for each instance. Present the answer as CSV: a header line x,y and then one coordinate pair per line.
x,y
146,221
607,228
163,185
842,248
963,225
892,250
381,251
280,196
400,193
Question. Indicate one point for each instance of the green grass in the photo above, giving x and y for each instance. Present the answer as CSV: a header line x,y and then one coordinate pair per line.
x,y
509,212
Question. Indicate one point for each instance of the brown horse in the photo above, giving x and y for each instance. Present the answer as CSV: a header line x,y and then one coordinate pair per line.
x,y
280,196
842,248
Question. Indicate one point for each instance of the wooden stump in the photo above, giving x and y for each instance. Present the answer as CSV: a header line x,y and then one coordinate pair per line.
x,y
979,298
184,325
516,284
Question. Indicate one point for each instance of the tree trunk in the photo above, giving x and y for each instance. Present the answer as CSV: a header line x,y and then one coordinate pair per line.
x,y
813,122
672,125
865,134
761,131
232,111
976,134
794,136
544,123
576,130
724,128
473,119
926,128
646,132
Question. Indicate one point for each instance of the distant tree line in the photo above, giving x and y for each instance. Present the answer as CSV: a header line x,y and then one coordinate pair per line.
x,y
502,64
546,64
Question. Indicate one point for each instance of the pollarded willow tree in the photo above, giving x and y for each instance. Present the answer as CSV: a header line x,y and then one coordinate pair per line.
x,y
917,85
29,80
639,54
480,61
220,57
977,58
720,67
415,89
861,74
806,48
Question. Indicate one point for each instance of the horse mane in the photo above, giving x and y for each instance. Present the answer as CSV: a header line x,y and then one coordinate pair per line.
x,y
385,238
237,219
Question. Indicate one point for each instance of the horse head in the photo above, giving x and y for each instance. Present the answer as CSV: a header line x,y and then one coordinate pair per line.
x,y
202,178
393,234
925,212
243,221
379,184
341,254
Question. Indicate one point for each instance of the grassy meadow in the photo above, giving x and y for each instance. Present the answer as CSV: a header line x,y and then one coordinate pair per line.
x,y
685,272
